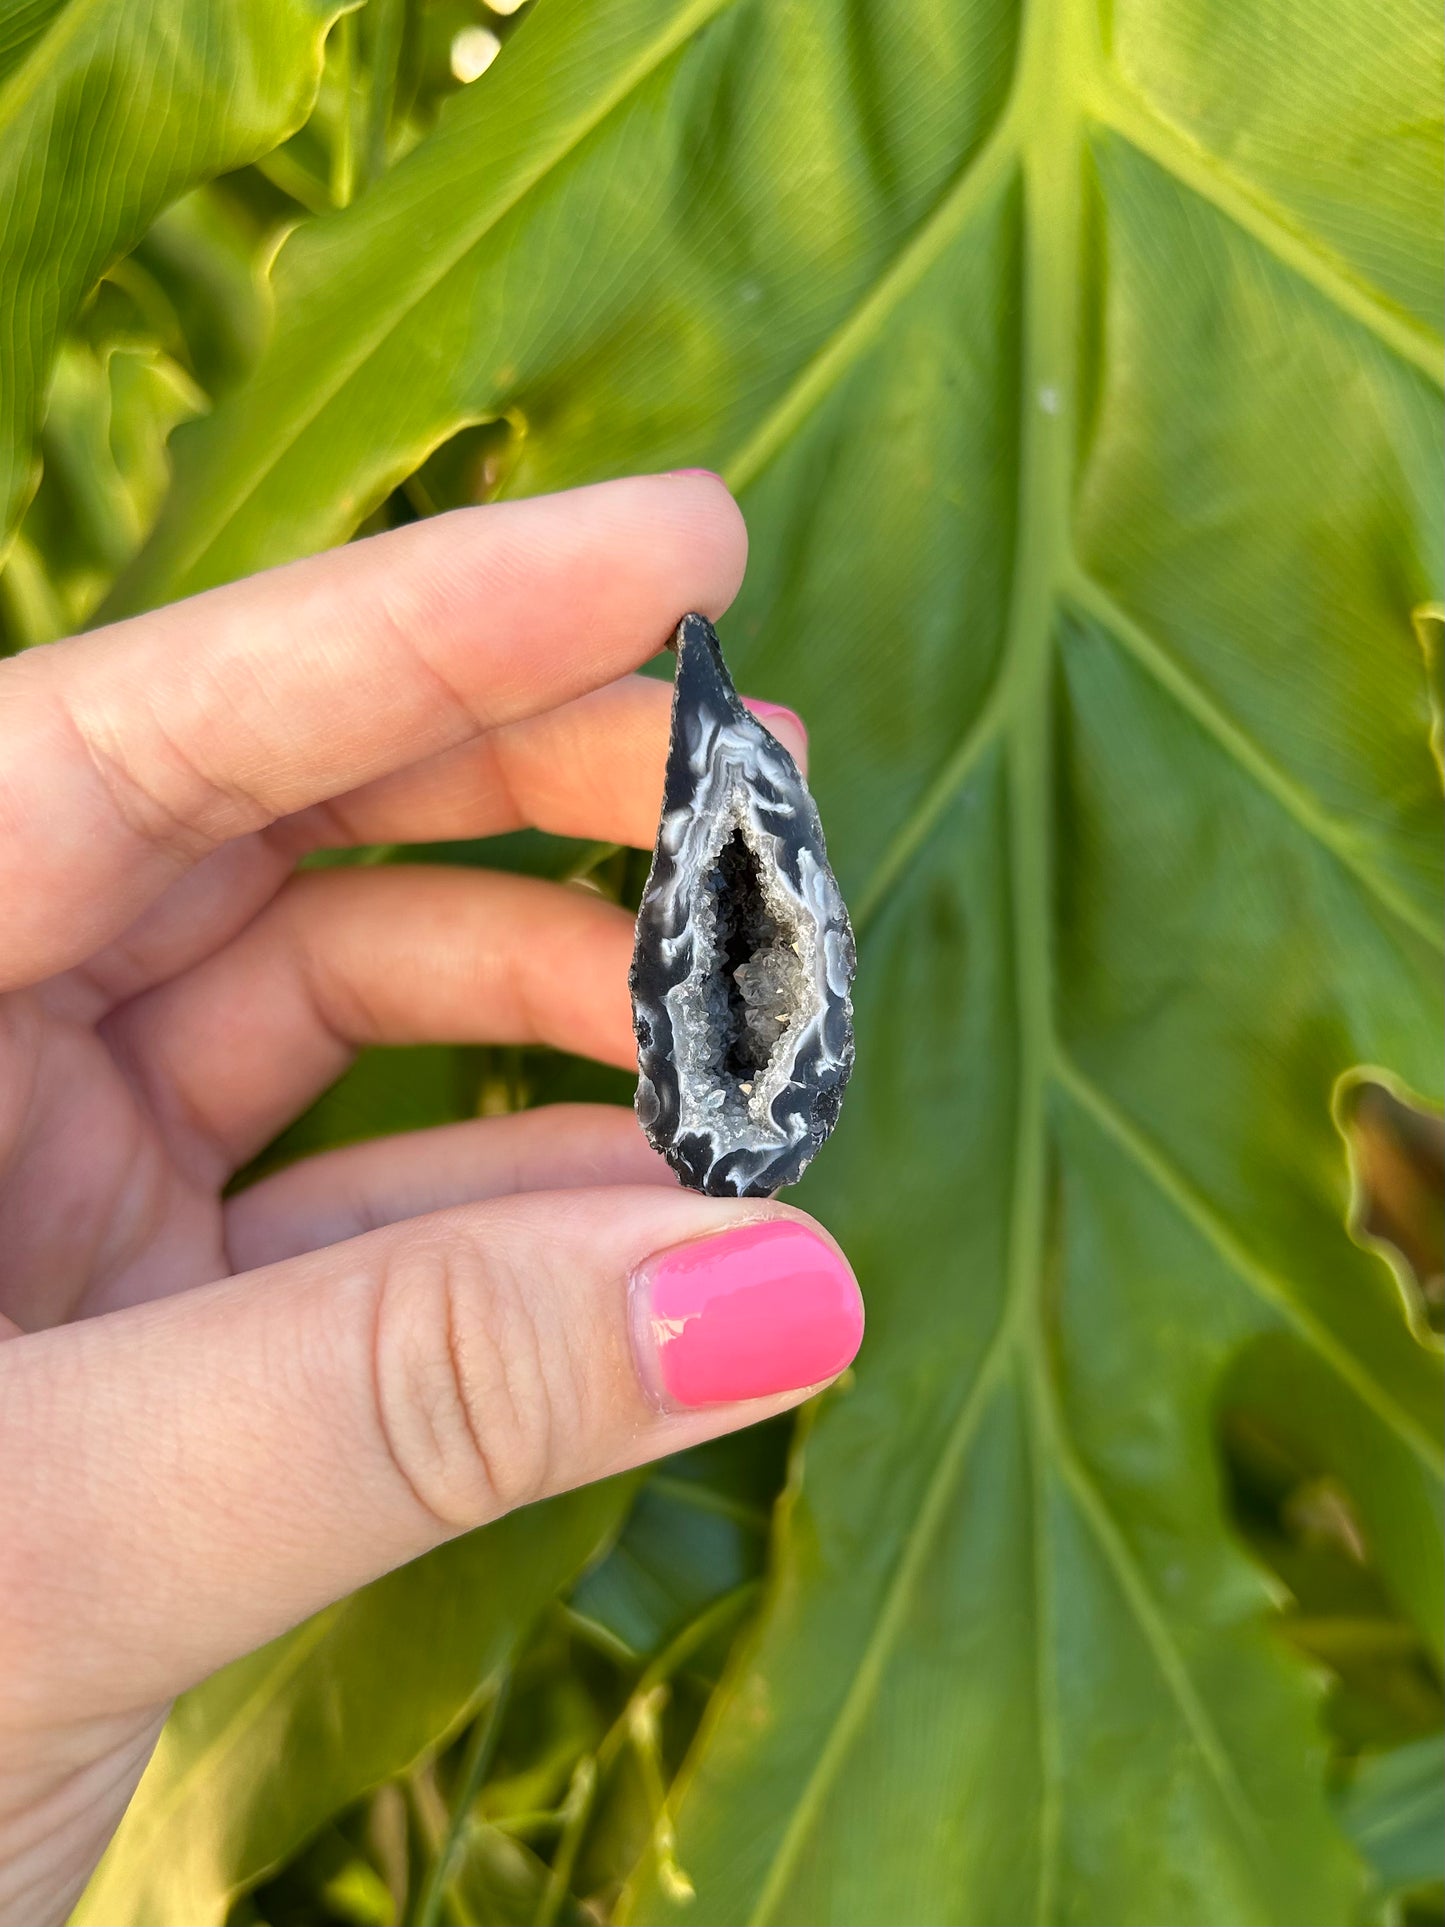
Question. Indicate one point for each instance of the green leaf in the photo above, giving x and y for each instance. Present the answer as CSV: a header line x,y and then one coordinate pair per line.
x,y
500,1880
1394,1810
361,318
111,409
256,1759
405,1088
201,257
1081,389
109,109
697,1531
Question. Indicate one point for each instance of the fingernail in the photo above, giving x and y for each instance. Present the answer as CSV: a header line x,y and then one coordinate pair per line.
x,y
761,1309
768,713
711,473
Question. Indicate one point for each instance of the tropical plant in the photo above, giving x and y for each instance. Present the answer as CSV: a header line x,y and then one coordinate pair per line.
x,y
1077,366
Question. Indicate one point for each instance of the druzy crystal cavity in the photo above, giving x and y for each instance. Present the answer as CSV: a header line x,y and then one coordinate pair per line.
x,y
744,956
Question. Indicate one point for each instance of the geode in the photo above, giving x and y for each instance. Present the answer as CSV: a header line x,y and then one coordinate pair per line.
x,y
744,956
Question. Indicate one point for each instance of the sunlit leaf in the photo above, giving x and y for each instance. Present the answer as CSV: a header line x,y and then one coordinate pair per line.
x,y
109,109
256,1759
113,405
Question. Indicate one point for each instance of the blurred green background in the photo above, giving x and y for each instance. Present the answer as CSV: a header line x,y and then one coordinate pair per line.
x,y
1078,366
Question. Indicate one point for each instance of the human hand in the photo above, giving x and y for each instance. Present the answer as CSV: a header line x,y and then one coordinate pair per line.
x,y
217,1415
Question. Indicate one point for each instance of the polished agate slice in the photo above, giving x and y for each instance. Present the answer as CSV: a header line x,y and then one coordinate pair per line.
x,y
744,956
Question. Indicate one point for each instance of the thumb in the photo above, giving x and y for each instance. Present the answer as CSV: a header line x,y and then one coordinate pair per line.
x,y
182,1480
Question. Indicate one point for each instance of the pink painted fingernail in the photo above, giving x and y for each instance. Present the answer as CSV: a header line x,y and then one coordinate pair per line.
x,y
711,473
765,1308
766,713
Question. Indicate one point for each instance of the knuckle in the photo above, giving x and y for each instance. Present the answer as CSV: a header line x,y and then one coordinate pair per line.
x,y
150,809
462,1393
316,910
159,786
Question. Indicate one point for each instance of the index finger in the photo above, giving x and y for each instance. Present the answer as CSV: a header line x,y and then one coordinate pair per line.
x,y
128,754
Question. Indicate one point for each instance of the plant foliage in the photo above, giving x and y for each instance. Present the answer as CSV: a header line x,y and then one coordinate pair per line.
x,y
1078,368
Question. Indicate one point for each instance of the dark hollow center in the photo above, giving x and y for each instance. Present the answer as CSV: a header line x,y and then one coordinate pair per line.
x,y
749,998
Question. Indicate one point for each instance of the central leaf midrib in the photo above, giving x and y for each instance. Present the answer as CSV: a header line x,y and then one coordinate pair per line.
x,y
1023,667
1062,46
1017,709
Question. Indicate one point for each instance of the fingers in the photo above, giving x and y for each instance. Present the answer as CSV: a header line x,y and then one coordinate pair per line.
x,y
341,1194
130,753
591,768
231,1051
205,908
186,1478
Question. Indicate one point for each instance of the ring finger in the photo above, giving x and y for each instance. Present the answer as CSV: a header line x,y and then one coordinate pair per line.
x,y
232,1050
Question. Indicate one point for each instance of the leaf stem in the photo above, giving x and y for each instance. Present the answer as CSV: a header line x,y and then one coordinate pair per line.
x,y
635,1724
673,1657
1060,45
476,1763
388,18
575,1812
343,146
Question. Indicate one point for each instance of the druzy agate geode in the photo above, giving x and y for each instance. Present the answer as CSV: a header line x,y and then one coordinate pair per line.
x,y
744,956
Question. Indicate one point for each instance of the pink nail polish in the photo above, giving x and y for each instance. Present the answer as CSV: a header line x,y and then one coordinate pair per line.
x,y
761,1309
711,473
765,712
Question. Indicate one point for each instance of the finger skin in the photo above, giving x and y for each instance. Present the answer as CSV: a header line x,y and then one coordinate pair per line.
x,y
341,1194
229,1052
592,768
90,1194
186,1478
128,754
204,909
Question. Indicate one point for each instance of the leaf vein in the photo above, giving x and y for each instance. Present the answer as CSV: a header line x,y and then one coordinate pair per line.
x,y
1092,599
868,1675
1125,112
1252,1272
982,173
1153,1624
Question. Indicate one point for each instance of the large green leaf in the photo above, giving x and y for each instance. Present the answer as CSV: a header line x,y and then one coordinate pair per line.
x,y
1079,375
253,1761
109,109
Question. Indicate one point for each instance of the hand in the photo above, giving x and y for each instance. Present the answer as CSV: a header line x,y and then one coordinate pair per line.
x,y
217,1415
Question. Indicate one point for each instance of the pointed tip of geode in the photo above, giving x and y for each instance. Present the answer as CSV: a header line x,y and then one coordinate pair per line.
x,y
744,956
